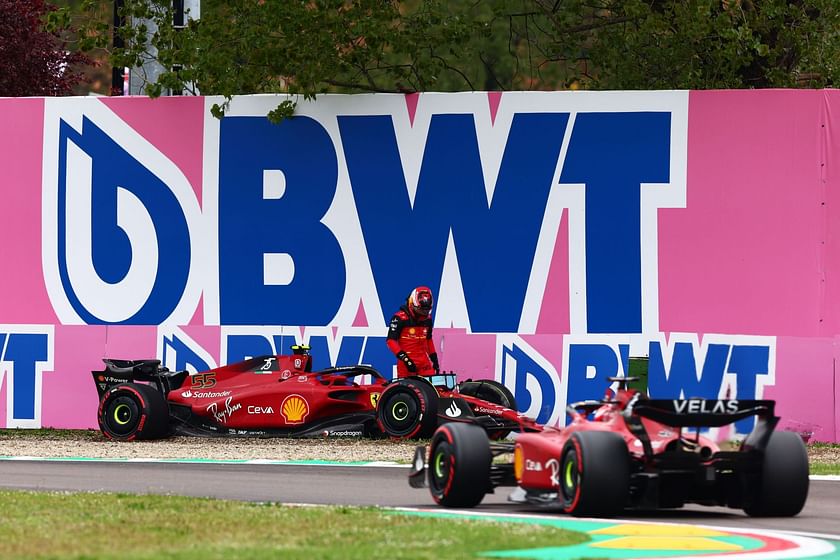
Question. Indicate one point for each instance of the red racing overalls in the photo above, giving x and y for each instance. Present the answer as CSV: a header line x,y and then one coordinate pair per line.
x,y
412,335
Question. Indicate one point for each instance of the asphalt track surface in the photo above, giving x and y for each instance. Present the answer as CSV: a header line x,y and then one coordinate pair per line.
x,y
361,486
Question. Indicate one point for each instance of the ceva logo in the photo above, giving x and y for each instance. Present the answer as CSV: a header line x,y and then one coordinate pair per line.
x,y
260,410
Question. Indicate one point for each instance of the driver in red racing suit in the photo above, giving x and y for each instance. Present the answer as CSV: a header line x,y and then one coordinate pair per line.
x,y
410,335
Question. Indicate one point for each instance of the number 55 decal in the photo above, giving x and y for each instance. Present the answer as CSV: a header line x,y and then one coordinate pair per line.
x,y
204,380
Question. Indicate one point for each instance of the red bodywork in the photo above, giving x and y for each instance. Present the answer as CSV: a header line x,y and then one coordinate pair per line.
x,y
274,392
263,396
495,414
627,451
538,454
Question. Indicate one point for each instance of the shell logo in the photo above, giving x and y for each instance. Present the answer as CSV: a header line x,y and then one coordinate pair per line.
x,y
411,330
294,409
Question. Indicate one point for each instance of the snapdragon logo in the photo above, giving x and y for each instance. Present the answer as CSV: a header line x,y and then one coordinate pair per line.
x,y
26,352
118,222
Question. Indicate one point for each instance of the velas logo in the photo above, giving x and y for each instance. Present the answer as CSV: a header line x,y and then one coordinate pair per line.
x,y
294,409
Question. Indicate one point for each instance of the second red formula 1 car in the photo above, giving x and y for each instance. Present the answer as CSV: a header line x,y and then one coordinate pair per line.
x,y
413,407
634,453
282,396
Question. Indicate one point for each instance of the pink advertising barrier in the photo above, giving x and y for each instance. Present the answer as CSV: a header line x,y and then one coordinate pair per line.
x,y
756,250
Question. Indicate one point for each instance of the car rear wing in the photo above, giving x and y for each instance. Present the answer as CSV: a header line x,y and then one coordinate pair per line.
x,y
702,413
131,371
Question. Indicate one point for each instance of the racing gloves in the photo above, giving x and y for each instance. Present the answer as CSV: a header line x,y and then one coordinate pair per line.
x,y
409,363
435,363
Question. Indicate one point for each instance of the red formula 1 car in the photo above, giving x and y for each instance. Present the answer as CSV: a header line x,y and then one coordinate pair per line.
x,y
413,407
281,396
634,453
264,396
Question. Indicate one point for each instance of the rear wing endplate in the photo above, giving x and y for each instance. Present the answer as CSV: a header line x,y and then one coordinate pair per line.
x,y
130,371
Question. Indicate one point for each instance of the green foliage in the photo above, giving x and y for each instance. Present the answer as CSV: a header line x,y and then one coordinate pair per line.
x,y
676,44
294,46
307,47
34,54
704,44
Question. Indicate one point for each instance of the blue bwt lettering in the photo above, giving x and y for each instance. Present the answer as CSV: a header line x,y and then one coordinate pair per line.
x,y
24,351
495,243
113,168
251,226
185,356
526,367
612,154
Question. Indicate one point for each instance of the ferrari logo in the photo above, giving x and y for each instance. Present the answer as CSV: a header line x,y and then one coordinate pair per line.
x,y
374,398
294,409
411,330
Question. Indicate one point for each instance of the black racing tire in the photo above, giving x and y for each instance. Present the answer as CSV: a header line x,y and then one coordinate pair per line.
x,y
490,391
459,465
407,409
594,474
782,487
132,411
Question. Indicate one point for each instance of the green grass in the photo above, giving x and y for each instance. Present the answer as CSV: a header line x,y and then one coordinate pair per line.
x,y
824,468
823,445
54,525
823,457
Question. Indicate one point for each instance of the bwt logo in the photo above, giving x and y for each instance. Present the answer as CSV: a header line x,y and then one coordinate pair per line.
x,y
26,352
530,377
119,223
681,367
286,211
